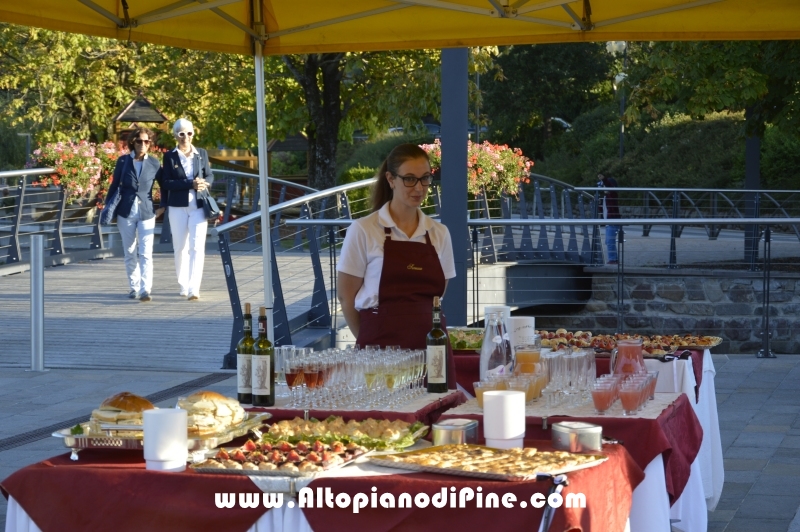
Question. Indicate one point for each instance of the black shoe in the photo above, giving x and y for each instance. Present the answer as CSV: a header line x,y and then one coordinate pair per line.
x,y
133,294
145,297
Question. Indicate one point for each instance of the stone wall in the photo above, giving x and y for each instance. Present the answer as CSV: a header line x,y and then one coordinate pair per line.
x,y
693,302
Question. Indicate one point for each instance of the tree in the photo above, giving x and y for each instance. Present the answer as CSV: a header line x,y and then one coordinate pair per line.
x,y
64,86
540,82
369,91
760,77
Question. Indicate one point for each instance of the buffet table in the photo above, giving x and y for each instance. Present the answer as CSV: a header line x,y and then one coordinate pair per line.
x,y
112,490
693,375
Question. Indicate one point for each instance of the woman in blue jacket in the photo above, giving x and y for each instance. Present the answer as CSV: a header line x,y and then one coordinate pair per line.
x,y
186,174
134,176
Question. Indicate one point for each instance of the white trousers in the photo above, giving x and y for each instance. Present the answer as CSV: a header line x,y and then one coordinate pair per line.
x,y
138,250
188,226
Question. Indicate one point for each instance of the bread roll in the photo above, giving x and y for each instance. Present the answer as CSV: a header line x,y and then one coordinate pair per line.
x,y
210,412
124,408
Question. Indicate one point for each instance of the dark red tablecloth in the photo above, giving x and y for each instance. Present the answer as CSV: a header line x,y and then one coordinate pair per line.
x,y
676,435
112,490
468,369
608,489
428,415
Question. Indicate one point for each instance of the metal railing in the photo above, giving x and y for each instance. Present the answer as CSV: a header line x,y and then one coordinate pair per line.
x,y
45,211
302,306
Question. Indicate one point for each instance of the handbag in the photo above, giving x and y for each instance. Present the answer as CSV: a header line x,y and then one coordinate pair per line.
x,y
110,208
210,208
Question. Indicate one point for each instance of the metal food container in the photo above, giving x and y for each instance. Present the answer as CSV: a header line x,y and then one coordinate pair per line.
x,y
577,436
455,431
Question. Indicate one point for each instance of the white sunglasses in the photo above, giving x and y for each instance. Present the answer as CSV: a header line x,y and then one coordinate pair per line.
x,y
185,134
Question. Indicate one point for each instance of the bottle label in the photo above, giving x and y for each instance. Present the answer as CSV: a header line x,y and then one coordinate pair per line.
x,y
248,325
243,377
261,380
437,317
437,370
262,327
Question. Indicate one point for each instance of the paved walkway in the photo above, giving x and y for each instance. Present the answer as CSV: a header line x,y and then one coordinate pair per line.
x,y
759,409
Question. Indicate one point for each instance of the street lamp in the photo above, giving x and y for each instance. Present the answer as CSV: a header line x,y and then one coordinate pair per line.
x,y
619,80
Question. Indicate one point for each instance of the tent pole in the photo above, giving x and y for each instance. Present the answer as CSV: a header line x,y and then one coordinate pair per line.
x,y
266,241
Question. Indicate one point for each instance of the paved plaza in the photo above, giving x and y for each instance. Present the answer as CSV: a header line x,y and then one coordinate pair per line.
x,y
759,411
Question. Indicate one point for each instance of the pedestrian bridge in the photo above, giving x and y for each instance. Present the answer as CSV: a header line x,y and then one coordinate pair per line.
x,y
539,252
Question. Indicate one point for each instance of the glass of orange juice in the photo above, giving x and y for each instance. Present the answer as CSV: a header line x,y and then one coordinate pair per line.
x,y
526,356
481,387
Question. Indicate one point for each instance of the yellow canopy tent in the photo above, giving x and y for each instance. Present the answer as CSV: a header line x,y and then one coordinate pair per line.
x,y
306,26
303,26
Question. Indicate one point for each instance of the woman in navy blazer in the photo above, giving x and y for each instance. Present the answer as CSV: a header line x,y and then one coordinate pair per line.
x,y
186,174
134,176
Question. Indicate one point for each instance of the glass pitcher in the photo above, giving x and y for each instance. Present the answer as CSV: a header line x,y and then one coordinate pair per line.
x,y
495,351
627,357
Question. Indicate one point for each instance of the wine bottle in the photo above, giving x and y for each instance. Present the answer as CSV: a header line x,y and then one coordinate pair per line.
x,y
436,343
244,360
263,365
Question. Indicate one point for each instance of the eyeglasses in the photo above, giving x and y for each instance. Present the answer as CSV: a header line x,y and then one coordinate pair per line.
x,y
411,181
185,134
141,141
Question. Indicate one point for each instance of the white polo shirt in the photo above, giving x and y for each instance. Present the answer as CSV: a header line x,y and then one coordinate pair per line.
x,y
362,251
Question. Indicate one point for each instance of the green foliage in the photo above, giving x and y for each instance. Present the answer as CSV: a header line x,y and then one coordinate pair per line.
x,y
542,81
12,149
372,154
780,160
707,77
359,199
64,86
288,163
674,151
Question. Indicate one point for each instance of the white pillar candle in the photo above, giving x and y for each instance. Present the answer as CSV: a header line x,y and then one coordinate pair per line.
x,y
165,439
504,418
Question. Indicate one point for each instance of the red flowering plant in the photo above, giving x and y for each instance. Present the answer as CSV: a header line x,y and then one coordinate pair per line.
x,y
490,167
84,169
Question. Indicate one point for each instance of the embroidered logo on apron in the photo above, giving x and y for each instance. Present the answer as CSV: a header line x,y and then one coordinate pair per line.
x,y
412,267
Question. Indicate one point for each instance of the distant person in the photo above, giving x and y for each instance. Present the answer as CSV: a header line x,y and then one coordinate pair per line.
x,y
610,212
8,203
134,176
187,173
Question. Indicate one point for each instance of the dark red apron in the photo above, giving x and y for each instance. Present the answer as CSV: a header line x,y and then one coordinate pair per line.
x,y
411,276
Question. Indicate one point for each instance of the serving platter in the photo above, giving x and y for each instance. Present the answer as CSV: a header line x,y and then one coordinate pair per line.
x,y
102,436
276,472
597,459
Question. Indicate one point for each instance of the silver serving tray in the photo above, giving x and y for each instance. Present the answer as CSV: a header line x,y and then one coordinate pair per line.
x,y
276,472
599,459
100,436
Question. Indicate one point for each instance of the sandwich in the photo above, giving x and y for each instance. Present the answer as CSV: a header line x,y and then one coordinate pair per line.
x,y
210,412
125,408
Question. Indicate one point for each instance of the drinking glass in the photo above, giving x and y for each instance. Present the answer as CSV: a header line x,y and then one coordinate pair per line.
x,y
294,377
526,356
603,396
630,394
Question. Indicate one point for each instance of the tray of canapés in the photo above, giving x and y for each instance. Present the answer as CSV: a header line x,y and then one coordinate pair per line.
x,y
284,459
488,463
654,345
301,448
212,420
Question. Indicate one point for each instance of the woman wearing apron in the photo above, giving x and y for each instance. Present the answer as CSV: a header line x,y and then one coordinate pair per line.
x,y
395,260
